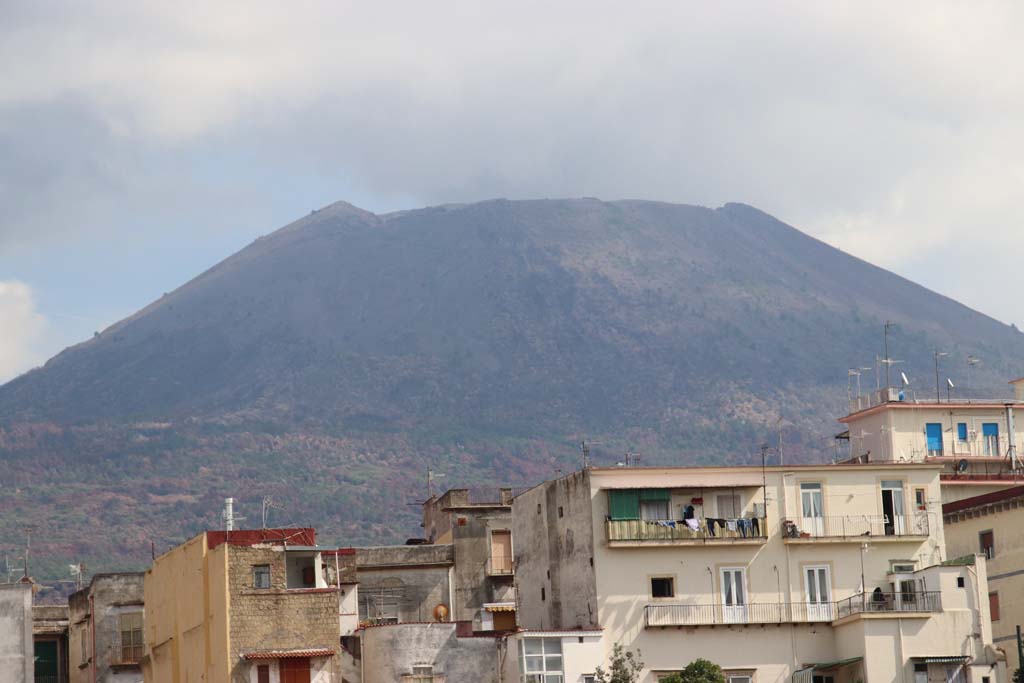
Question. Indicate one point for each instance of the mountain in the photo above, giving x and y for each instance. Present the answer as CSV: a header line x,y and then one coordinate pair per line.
x,y
330,363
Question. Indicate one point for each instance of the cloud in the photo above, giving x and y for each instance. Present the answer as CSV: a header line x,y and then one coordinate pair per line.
x,y
890,130
23,328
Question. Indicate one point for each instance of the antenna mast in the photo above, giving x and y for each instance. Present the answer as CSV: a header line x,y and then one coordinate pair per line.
x,y
887,361
229,514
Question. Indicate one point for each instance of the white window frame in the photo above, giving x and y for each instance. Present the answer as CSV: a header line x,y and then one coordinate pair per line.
x,y
544,674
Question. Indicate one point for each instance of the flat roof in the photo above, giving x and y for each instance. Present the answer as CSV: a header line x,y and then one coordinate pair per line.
x,y
983,500
906,405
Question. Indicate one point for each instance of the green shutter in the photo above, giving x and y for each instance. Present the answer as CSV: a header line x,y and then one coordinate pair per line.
x,y
624,504
655,494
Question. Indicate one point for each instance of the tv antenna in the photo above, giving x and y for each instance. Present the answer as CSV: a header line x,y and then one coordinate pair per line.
x,y
431,476
938,354
971,362
268,505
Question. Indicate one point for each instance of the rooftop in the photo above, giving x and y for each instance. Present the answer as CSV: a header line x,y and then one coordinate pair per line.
x,y
305,536
983,500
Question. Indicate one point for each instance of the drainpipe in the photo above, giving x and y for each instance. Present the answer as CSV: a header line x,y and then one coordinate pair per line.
x,y
92,636
1011,437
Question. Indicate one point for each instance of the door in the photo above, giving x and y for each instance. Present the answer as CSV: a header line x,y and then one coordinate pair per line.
x,y
501,551
990,438
295,670
893,509
818,583
933,430
734,595
812,509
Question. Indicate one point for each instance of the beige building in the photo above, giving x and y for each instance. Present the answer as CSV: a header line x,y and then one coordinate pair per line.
x,y
105,630
979,443
991,524
250,606
813,574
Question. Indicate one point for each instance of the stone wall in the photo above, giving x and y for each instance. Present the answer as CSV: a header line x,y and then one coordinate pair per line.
x,y
471,537
276,618
16,650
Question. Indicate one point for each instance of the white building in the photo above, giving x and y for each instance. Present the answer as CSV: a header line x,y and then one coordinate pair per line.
x,y
816,574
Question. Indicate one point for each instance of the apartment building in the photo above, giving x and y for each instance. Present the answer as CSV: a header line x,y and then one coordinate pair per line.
x,y
105,642
813,574
261,606
50,643
993,524
978,442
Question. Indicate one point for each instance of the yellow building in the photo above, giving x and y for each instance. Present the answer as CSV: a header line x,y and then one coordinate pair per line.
x,y
249,605
993,525
810,574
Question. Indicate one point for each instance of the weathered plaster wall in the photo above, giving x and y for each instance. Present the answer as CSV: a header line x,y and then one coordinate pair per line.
x,y
112,595
16,650
553,541
389,652
471,537
420,575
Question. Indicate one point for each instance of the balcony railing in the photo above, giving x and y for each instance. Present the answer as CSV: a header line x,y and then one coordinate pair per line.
x,y
499,565
889,603
753,528
856,526
790,613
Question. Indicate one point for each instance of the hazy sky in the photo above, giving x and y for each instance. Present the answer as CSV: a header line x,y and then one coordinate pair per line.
x,y
141,143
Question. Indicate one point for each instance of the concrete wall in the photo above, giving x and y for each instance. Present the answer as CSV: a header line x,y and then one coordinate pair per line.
x,y
390,652
582,653
471,539
110,596
553,537
16,653
1005,570
419,576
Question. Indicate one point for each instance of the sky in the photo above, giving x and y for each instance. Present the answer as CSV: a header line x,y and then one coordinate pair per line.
x,y
141,143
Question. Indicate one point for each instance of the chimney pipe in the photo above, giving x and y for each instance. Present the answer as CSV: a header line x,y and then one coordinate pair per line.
x,y
1011,437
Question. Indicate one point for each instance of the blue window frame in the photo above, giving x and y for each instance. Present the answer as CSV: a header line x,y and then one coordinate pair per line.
x,y
961,431
934,432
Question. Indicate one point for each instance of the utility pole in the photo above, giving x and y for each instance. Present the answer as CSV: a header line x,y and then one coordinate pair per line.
x,y
586,454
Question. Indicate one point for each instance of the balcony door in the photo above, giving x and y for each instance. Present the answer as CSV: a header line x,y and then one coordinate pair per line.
x,y
818,585
734,595
812,508
501,551
893,508
295,670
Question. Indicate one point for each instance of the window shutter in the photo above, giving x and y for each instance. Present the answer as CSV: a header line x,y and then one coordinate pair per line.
x,y
655,495
624,504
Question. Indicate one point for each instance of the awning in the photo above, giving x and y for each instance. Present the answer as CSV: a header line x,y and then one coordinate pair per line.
x,y
287,654
959,659
500,607
825,666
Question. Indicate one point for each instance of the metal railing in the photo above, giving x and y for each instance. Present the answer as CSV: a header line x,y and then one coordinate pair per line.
x,y
893,395
889,603
790,612
753,613
849,526
499,565
677,530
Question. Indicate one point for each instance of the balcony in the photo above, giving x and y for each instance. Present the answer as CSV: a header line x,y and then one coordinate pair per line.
x,y
898,604
856,528
642,532
499,565
879,604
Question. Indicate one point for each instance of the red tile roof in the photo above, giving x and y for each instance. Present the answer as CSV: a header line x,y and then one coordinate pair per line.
x,y
983,499
296,536
288,654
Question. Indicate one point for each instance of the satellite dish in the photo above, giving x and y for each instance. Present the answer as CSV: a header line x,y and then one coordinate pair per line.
x,y
950,383
962,465
441,612
903,376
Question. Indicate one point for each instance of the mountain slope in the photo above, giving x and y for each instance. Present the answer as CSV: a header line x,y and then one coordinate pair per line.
x,y
348,350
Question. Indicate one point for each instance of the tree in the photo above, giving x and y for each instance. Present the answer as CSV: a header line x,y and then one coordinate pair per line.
x,y
698,671
623,669
1018,675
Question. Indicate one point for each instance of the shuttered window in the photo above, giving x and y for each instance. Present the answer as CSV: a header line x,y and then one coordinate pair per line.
x,y
624,504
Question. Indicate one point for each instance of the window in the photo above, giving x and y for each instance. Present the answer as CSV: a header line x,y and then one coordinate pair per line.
x,y
624,504
988,544
263,673
663,587
654,504
261,576
919,499
591,678
728,506
540,660
421,673
961,432
990,438
543,595
561,512
993,605
85,645
131,637
739,677
501,551
933,433
959,582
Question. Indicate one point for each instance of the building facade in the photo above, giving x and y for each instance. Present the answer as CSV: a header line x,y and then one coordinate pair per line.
x,y
823,574
978,442
992,524
105,643
50,643
249,606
